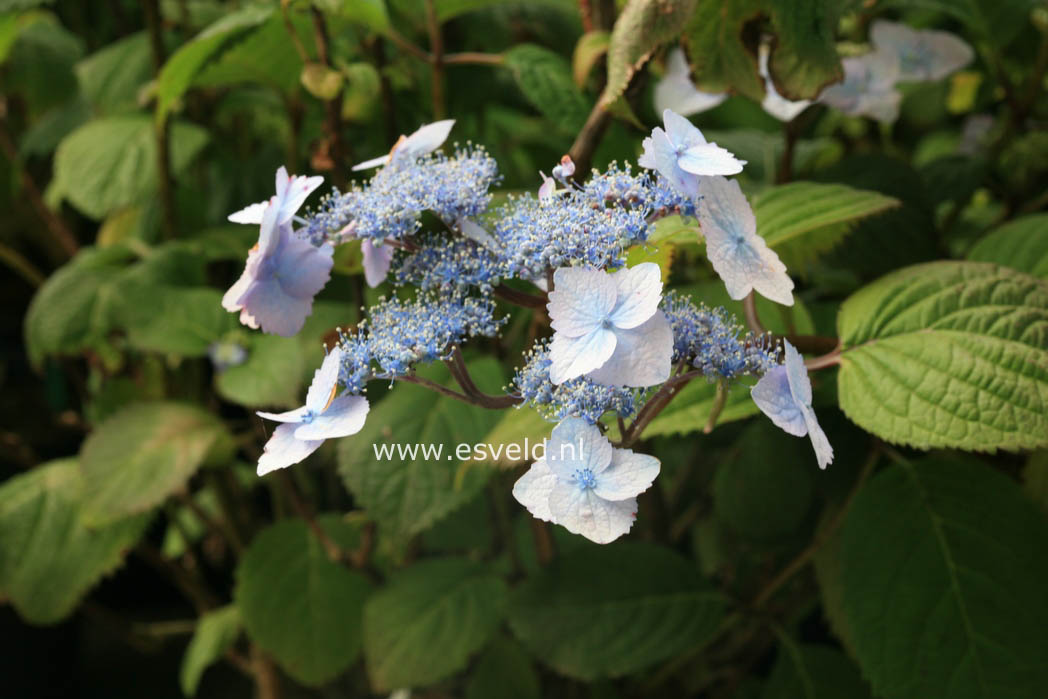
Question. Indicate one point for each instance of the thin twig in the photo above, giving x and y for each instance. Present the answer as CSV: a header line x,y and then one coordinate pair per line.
x,y
65,244
151,9
436,47
749,308
824,361
407,46
589,138
22,266
821,537
520,298
337,150
334,552
474,58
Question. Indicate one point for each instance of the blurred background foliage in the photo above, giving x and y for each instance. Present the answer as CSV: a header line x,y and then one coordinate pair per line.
x,y
139,554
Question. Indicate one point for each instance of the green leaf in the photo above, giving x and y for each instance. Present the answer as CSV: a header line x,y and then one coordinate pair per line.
x,y
298,604
1021,244
271,375
613,610
215,633
111,78
804,671
948,354
945,597
589,49
135,459
998,21
801,220
516,426
721,43
180,70
370,13
406,495
48,558
1035,479
265,56
112,162
73,310
429,620
641,27
177,320
545,79
765,490
320,81
39,67
504,671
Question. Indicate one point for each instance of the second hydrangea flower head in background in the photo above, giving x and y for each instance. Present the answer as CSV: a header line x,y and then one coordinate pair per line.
x,y
616,336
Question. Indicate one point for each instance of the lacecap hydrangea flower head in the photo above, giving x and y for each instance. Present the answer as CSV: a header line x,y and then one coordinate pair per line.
x,y
614,336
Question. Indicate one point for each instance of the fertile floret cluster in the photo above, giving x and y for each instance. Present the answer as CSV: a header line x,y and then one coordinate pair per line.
x,y
442,263
390,204
401,333
578,397
711,341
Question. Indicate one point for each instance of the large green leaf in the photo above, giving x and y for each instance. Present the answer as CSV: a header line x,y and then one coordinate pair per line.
x,y
813,672
298,604
111,78
265,56
545,79
75,308
504,671
112,162
144,453
765,490
800,220
407,493
48,558
721,41
39,65
948,354
182,321
641,27
180,70
613,610
429,620
1021,244
269,377
215,633
943,567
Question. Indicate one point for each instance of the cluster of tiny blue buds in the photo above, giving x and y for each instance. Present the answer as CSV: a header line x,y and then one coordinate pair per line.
x,y
579,397
355,371
442,263
711,341
401,333
390,204
651,195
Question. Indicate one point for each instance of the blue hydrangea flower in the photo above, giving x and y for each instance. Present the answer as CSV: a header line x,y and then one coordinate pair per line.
x,y
579,397
676,92
711,341
923,55
784,395
868,88
283,272
324,416
584,484
740,256
425,139
609,326
681,154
